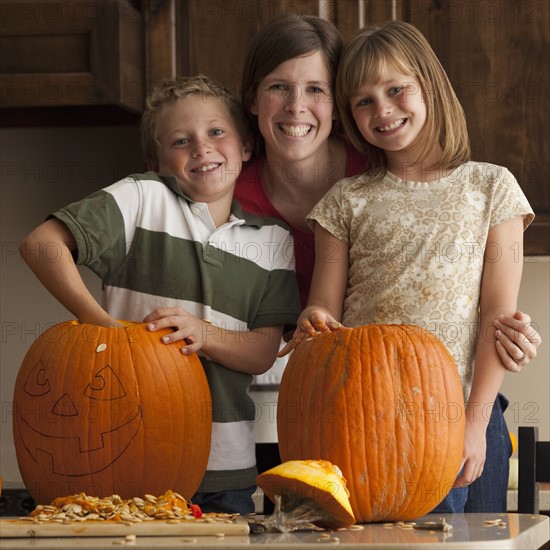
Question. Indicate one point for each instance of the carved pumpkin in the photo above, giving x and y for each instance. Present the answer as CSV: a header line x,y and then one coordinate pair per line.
x,y
316,481
110,411
384,403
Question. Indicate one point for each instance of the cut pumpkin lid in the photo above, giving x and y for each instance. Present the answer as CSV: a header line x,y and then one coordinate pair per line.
x,y
317,480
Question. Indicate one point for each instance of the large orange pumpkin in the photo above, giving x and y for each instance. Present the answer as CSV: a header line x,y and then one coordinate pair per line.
x,y
385,404
110,411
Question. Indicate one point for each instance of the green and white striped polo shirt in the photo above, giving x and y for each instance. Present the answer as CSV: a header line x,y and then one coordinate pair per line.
x,y
153,247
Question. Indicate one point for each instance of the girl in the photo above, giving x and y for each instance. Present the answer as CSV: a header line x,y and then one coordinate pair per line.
x,y
426,236
287,90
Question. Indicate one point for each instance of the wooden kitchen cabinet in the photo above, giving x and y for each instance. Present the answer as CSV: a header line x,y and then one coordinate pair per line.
x,y
110,53
208,36
213,36
496,54
71,54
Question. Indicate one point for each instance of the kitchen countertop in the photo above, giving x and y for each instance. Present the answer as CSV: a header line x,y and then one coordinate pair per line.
x,y
469,531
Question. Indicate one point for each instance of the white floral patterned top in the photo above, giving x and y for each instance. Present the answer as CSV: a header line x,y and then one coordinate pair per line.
x,y
416,249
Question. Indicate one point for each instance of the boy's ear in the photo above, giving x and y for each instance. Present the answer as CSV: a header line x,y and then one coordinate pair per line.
x,y
152,165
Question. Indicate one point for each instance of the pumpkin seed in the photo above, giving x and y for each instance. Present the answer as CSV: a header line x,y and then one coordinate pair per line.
x,y
170,507
492,522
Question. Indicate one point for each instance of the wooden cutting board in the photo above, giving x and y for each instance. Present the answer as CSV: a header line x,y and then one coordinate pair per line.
x,y
94,528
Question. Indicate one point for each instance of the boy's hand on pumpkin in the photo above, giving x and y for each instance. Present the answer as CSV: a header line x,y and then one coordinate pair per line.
x,y
186,327
102,319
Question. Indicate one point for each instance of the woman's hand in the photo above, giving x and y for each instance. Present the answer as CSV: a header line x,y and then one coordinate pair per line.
x,y
313,321
517,340
186,327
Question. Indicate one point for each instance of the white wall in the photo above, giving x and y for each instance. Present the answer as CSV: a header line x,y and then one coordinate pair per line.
x,y
46,168
43,169
529,391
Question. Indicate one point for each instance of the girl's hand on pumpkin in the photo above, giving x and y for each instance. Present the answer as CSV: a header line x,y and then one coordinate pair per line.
x,y
312,321
297,338
186,327
475,448
517,340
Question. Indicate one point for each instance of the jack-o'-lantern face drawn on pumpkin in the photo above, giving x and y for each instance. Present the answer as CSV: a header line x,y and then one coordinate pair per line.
x,y
99,422
100,409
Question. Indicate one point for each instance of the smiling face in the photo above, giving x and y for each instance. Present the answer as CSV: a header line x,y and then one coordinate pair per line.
x,y
89,417
87,413
390,113
199,144
294,106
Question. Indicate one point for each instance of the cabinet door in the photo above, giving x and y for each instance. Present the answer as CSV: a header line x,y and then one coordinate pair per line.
x,y
59,54
212,36
209,36
496,54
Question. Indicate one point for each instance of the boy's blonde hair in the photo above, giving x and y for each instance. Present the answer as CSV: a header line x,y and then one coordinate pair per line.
x,y
171,90
403,47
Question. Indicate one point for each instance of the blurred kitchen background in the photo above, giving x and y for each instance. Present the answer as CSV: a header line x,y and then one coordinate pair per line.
x,y
72,81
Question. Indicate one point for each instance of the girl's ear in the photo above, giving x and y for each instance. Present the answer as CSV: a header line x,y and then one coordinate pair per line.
x,y
152,165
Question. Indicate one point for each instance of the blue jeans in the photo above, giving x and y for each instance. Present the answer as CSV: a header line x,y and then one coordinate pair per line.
x,y
453,503
488,492
238,501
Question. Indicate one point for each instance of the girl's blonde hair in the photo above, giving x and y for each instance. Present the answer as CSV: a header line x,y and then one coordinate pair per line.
x,y
403,47
171,90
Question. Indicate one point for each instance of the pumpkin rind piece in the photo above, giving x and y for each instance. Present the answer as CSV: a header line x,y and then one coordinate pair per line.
x,y
316,480
110,410
384,403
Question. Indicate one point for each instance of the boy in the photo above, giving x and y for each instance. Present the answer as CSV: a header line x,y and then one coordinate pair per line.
x,y
173,249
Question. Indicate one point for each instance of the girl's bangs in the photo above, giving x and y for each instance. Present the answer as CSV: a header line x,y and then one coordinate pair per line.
x,y
373,67
372,64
